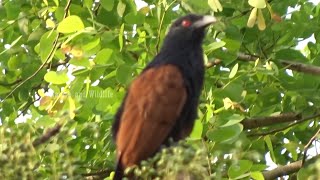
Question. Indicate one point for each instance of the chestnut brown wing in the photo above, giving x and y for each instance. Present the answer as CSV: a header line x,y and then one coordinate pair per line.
x,y
153,105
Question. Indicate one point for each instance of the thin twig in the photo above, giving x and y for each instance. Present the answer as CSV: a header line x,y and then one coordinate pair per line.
x,y
161,23
159,31
306,147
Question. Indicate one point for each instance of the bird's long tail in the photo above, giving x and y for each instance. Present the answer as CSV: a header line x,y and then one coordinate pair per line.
x,y
119,170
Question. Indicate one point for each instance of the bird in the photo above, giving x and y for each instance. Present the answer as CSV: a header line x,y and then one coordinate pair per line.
x,y
161,103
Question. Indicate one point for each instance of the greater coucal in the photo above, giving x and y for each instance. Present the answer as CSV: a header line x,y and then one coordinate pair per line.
x,y
161,103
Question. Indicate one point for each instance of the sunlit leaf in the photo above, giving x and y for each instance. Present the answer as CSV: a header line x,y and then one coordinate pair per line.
x,y
56,77
70,24
257,3
234,71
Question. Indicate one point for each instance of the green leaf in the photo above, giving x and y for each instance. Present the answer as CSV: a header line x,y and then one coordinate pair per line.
x,y
123,74
198,6
56,77
233,119
13,63
52,147
103,57
80,62
290,55
121,36
106,98
213,46
107,4
45,121
12,9
292,148
134,18
12,44
232,45
46,43
197,130
4,90
223,134
270,147
256,175
91,44
70,24
215,5
233,71
240,168
121,8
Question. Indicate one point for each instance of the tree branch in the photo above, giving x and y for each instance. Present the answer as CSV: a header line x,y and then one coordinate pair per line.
x,y
286,127
299,67
271,120
213,63
45,137
288,169
295,66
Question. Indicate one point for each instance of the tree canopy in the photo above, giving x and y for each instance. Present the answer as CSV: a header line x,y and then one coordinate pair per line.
x,y
65,66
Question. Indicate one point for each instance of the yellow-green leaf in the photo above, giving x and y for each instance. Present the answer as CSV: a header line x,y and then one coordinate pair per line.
x,y
121,8
103,57
56,77
261,22
70,24
50,23
121,36
257,3
72,107
234,71
252,18
256,175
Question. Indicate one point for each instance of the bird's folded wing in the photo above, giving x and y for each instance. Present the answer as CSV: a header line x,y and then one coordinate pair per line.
x,y
153,105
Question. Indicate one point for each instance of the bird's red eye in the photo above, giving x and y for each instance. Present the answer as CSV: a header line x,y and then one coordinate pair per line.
x,y
186,23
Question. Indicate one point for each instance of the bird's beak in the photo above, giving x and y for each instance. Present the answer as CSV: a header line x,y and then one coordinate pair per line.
x,y
204,21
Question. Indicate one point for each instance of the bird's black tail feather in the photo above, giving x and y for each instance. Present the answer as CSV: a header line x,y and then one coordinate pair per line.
x,y
119,170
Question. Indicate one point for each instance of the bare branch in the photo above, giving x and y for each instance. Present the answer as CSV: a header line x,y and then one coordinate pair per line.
x,y
45,137
286,127
213,63
309,69
271,120
287,169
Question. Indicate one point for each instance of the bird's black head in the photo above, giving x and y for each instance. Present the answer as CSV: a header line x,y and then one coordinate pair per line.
x,y
189,29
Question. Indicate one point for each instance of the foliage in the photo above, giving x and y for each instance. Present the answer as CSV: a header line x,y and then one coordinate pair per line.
x,y
178,161
67,64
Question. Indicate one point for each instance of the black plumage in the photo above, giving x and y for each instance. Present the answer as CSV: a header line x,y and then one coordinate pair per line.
x,y
162,101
